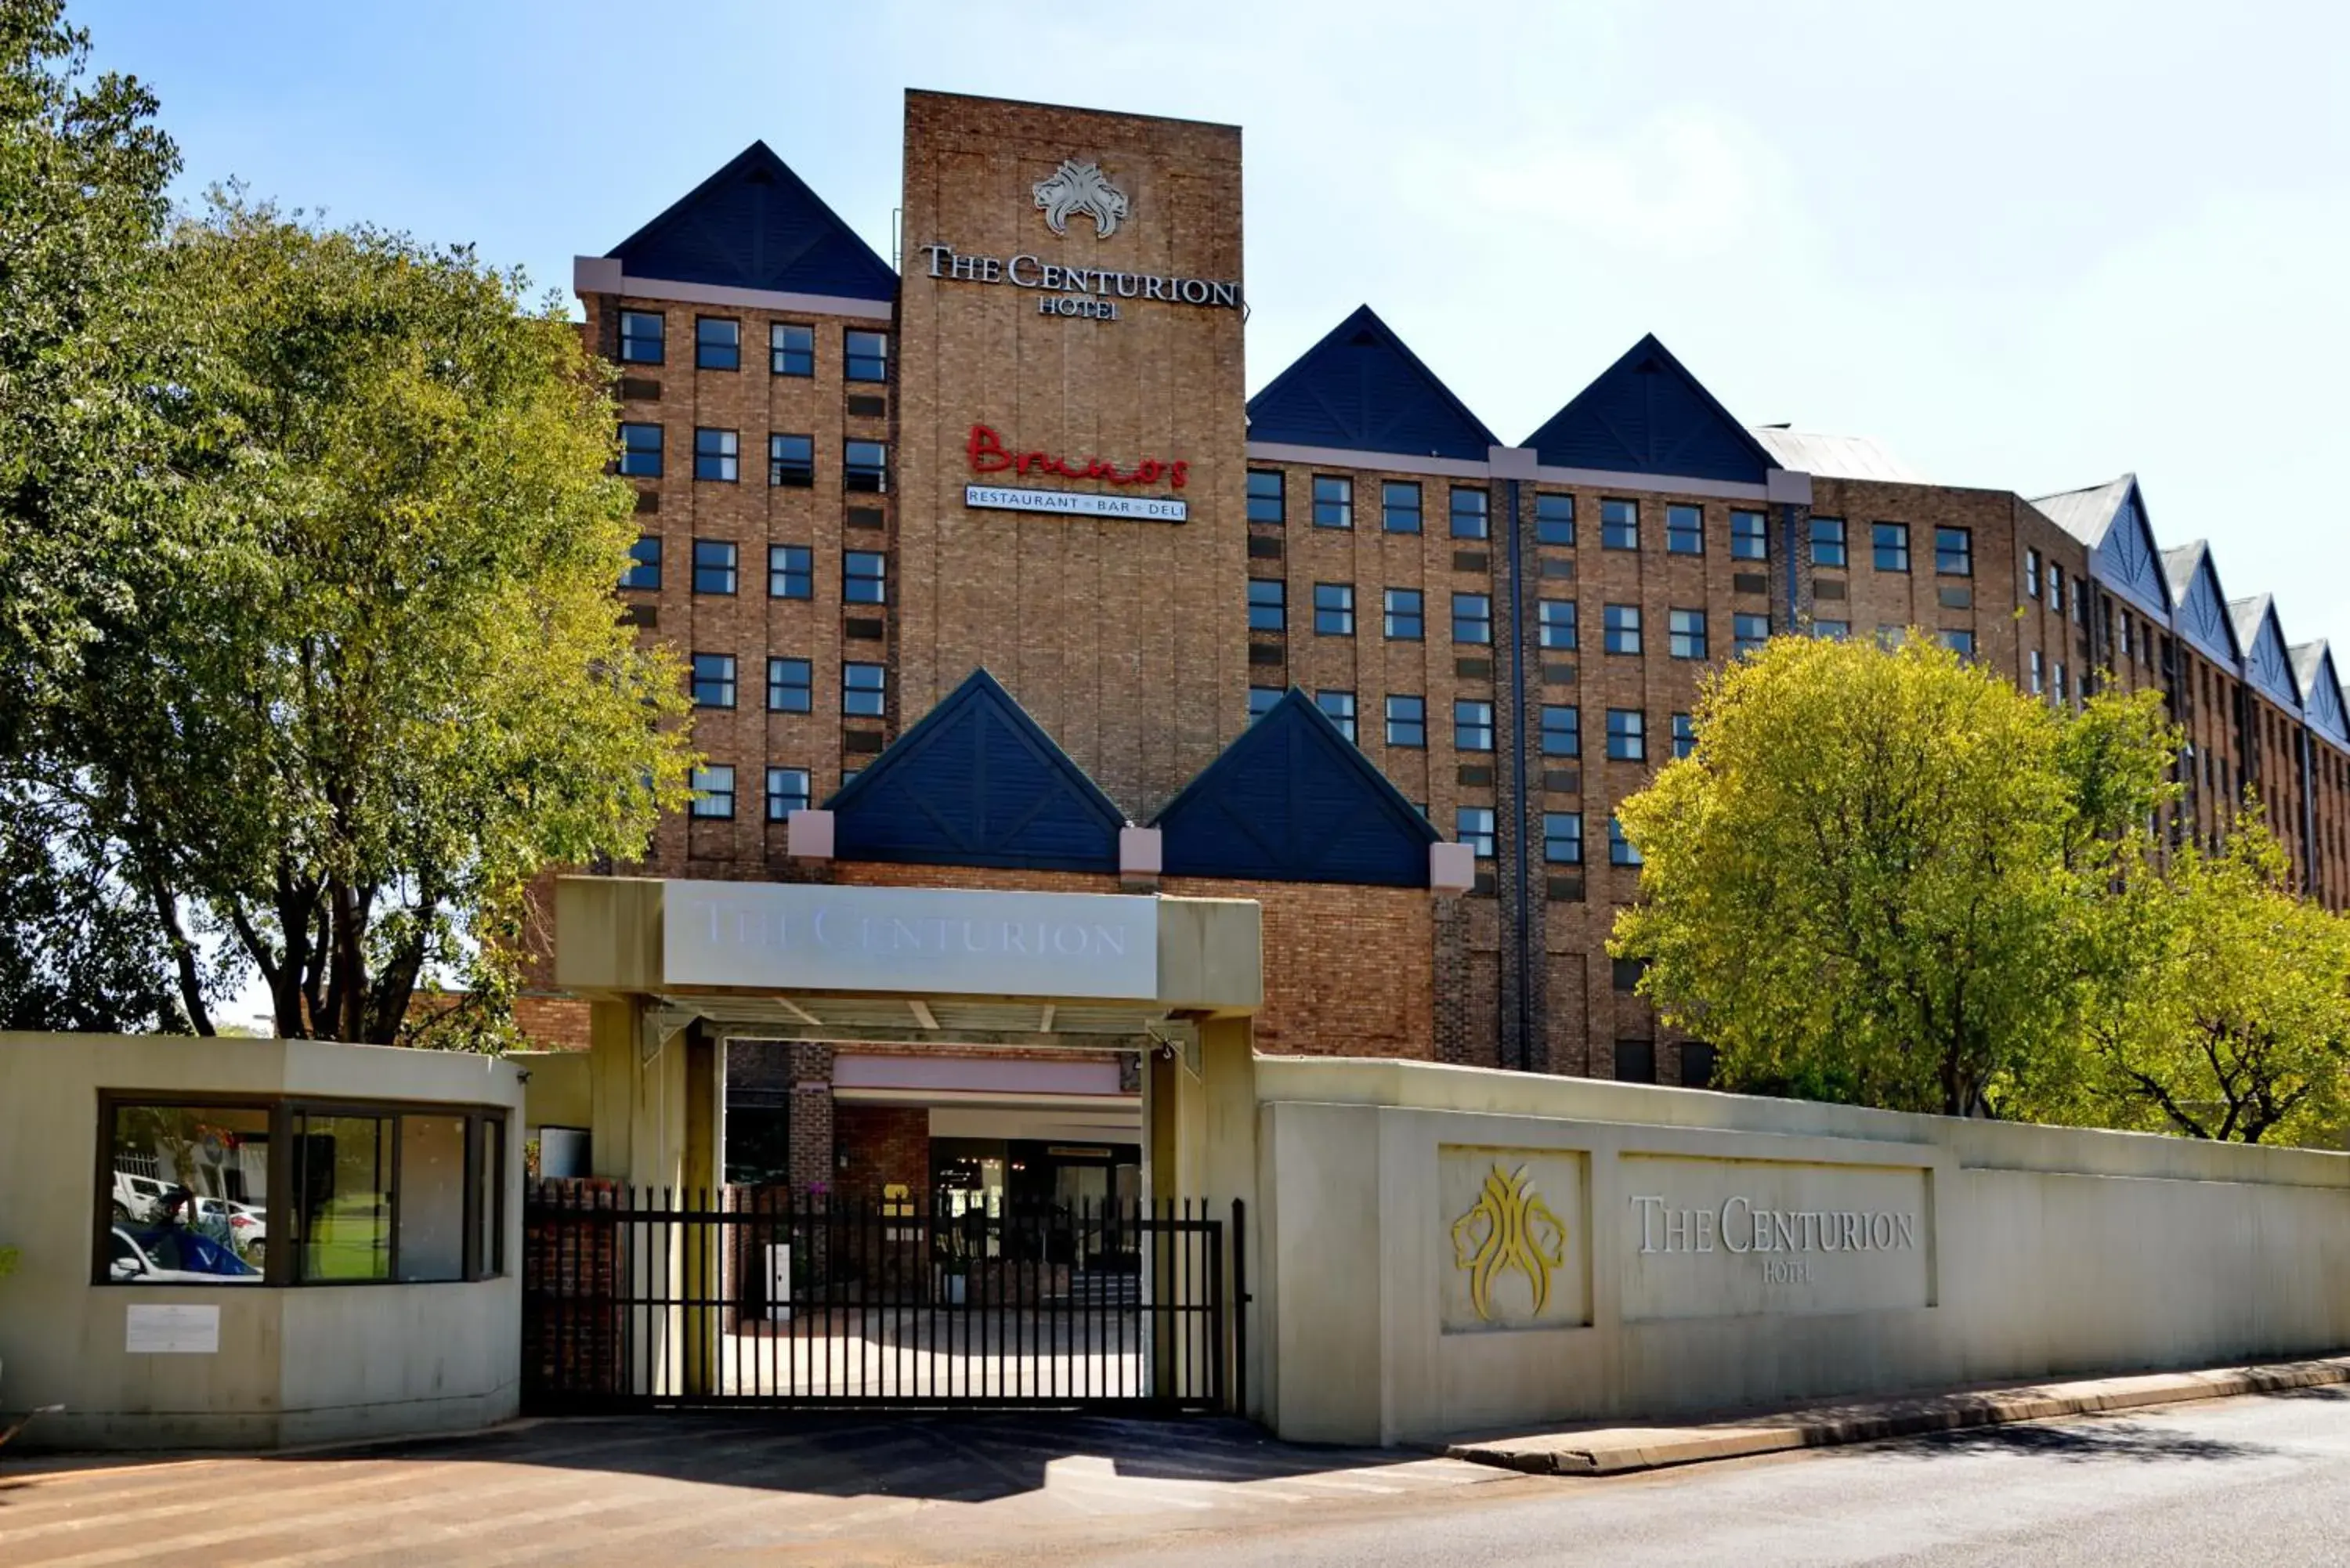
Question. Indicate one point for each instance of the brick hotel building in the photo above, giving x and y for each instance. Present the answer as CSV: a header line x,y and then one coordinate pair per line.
x,y
915,530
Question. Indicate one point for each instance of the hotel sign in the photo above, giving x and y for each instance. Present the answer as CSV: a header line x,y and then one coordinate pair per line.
x,y
1076,503
923,940
988,455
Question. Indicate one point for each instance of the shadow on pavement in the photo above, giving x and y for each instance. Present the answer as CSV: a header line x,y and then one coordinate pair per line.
x,y
2106,1437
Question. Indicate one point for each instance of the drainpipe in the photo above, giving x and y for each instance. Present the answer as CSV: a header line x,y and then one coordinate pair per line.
x,y
1791,490
2301,738
1513,466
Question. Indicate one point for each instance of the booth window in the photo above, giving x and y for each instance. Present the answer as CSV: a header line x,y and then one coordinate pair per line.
x,y
299,1192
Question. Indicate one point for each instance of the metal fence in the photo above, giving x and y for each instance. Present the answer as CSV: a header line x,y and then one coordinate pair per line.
x,y
637,1298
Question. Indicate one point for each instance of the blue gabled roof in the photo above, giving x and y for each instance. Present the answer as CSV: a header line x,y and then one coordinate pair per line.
x,y
977,782
1647,414
1291,800
2202,605
2266,658
1360,389
2110,519
755,224
2321,688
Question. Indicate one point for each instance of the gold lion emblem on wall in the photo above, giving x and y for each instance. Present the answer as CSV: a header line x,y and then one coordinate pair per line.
x,y
1076,188
1508,1229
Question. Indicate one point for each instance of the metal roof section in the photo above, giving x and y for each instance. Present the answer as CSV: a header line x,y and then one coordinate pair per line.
x,y
2320,686
2267,663
1360,389
2202,604
2110,519
1293,800
755,224
1647,414
977,781
1836,456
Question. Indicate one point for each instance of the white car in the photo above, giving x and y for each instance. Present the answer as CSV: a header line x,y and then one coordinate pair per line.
x,y
130,1261
139,1198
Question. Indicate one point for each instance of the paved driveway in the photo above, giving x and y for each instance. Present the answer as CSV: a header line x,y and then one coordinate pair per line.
x,y
664,1489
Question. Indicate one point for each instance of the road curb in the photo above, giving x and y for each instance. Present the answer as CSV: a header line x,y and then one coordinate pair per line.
x,y
1617,1450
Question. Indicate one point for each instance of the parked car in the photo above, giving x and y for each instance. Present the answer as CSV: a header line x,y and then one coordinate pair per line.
x,y
173,1254
139,1198
244,1227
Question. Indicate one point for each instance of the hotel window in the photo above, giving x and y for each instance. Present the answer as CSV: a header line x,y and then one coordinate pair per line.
x,y
1554,623
865,465
1472,724
1554,519
1889,543
1619,848
1636,1059
787,792
864,577
1962,643
2056,587
2081,601
644,562
1268,605
1685,633
640,451
1827,541
1619,524
791,572
1749,632
1628,735
1338,707
1334,502
1399,507
640,337
1261,701
1334,609
1749,540
791,350
1954,552
1562,729
1405,622
1621,629
791,460
1684,734
1267,500
713,791
2056,684
717,343
1407,722
1685,530
790,686
714,680
713,567
717,456
1472,617
1473,826
1472,513
1563,838
2032,574
2039,672
865,356
1834,631
863,690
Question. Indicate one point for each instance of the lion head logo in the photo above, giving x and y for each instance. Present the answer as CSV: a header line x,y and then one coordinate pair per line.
x,y
1077,187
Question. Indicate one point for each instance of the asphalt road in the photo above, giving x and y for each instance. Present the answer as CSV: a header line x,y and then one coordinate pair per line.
x,y
2259,1481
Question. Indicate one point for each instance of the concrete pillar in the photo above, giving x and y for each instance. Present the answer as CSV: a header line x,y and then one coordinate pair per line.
x,y
1202,1150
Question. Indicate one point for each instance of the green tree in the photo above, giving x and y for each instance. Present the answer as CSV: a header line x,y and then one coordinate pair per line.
x,y
2230,1017
1866,882
371,679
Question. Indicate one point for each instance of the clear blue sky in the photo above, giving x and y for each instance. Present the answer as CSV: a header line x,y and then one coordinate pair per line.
x,y
2027,245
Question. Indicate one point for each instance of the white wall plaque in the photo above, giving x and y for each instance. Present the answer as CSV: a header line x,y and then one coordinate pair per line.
x,y
1076,503
171,1331
786,936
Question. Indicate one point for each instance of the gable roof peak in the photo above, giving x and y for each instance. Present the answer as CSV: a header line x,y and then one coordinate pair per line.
x,y
1361,388
755,224
1647,414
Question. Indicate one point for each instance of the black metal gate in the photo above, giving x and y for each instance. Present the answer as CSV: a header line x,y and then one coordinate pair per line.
x,y
638,1298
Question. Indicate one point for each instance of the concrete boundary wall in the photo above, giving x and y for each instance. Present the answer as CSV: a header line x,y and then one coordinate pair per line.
x,y
1441,1250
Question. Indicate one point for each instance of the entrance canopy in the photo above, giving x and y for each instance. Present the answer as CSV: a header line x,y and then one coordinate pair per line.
x,y
944,965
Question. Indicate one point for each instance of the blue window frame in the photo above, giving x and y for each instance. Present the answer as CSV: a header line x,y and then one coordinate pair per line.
x,y
791,350
1562,729
1685,530
640,337
865,356
791,572
1407,722
1268,499
713,567
1472,513
865,466
640,451
1750,539
1827,541
1685,633
1554,519
1621,629
1405,620
1472,618
791,684
1334,609
714,680
791,461
864,577
1334,501
1889,543
1563,838
1555,624
1619,524
1399,506
863,690
1472,724
1268,605
717,343
1628,735
717,456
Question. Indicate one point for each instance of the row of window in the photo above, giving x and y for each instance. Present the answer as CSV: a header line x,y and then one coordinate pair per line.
x,y
1562,836
864,691
1561,724
791,458
1468,514
1403,619
718,345
1954,548
791,570
787,792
